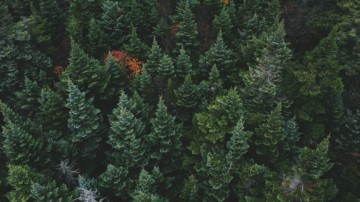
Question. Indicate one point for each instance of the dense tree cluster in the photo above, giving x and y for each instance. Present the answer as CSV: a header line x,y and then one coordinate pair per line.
x,y
179,100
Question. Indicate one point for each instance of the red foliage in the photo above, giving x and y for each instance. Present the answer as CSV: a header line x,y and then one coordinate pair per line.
x,y
133,64
226,2
175,28
58,70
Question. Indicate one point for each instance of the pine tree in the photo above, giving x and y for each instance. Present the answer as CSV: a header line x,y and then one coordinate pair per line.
x,y
28,97
84,123
190,190
166,67
238,144
218,178
21,178
23,140
51,192
118,80
96,44
187,36
153,59
221,116
271,135
145,188
86,73
53,113
223,23
183,65
135,47
221,56
126,138
187,98
114,22
165,136
116,180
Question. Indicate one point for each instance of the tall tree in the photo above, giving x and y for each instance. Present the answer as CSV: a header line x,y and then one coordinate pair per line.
x,y
84,123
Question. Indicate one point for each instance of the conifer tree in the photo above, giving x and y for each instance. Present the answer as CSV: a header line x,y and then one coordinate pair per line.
x,y
223,23
166,68
218,178
84,123
21,178
183,65
187,36
117,79
165,136
85,72
221,116
145,188
114,23
238,144
116,180
126,138
51,192
190,190
53,113
135,47
153,59
28,97
220,55
187,98
96,44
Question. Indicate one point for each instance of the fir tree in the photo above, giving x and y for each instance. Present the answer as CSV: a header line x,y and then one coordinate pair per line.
x,y
220,55
85,72
84,123
21,178
187,36
153,59
190,190
96,44
183,65
238,144
187,98
271,135
126,138
116,180
51,192
28,97
136,47
117,79
223,23
165,136
166,67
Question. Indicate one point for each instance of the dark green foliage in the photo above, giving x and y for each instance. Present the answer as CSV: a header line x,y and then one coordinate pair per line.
x,y
221,56
187,36
126,137
153,59
221,117
84,123
21,179
51,192
188,100
165,136
85,72
115,179
136,47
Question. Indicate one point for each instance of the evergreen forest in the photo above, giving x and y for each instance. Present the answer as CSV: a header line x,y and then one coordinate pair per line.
x,y
180,100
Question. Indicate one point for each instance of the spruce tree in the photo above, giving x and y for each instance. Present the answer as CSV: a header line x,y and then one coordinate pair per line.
x,y
96,44
153,59
28,97
238,144
21,178
187,36
51,192
223,23
85,72
166,68
116,180
164,137
183,65
270,135
84,123
221,116
187,98
118,80
190,190
221,56
135,47
126,138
